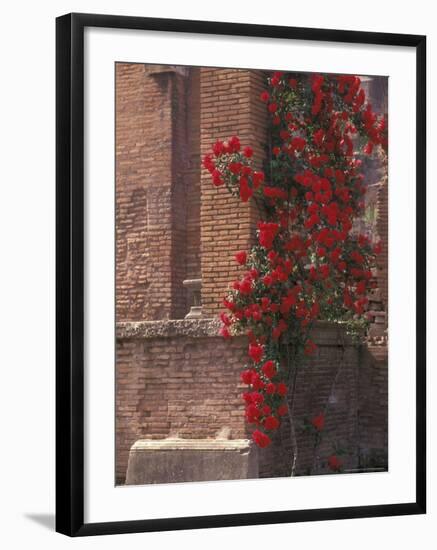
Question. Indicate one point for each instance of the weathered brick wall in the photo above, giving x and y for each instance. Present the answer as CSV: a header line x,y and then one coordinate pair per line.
x,y
176,378
382,229
229,105
153,171
171,225
143,192
179,378
349,386
373,409
376,174
192,176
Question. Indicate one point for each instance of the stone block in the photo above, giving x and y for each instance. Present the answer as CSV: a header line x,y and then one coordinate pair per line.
x,y
184,460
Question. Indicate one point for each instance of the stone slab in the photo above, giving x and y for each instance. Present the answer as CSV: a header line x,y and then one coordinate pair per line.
x,y
186,460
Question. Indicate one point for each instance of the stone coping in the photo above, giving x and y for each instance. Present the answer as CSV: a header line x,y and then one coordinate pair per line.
x,y
169,328
323,332
173,444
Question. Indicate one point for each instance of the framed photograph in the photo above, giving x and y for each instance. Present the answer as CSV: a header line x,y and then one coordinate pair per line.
x,y
240,274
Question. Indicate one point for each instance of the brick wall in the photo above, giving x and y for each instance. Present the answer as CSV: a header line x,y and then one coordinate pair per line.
x,y
172,224
376,173
229,105
349,386
373,410
192,176
155,170
178,378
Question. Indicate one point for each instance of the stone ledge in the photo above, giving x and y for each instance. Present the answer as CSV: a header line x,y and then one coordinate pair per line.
x,y
324,333
165,69
169,328
242,445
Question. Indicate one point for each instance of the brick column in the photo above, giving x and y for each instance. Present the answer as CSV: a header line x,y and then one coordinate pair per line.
x,y
150,198
229,105
376,173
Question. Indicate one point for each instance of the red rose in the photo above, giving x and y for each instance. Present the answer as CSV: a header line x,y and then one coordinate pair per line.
x,y
271,423
257,179
256,398
261,439
281,389
247,376
235,167
335,463
224,331
218,148
335,255
248,152
256,352
267,233
208,163
252,413
245,191
270,388
217,178
241,257
298,143
245,287
266,410
269,369
312,221
257,383
292,83
234,144
318,422
225,319
318,137
273,107
282,410
324,271
357,257
247,397
265,96
361,287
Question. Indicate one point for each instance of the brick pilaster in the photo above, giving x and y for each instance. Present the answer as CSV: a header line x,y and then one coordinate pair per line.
x,y
229,105
150,195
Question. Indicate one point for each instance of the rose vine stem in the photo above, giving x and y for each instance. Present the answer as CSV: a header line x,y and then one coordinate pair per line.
x,y
292,377
291,405
331,391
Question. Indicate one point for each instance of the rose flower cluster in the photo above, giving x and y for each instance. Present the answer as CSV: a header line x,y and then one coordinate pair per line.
x,y
308,262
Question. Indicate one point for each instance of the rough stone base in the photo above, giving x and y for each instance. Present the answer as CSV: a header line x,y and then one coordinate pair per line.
x,y
184,460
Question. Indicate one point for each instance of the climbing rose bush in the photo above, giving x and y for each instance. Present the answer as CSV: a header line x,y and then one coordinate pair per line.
x,y
308,262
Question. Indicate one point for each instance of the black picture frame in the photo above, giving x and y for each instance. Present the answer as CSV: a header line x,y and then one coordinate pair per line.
x,y
70,273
